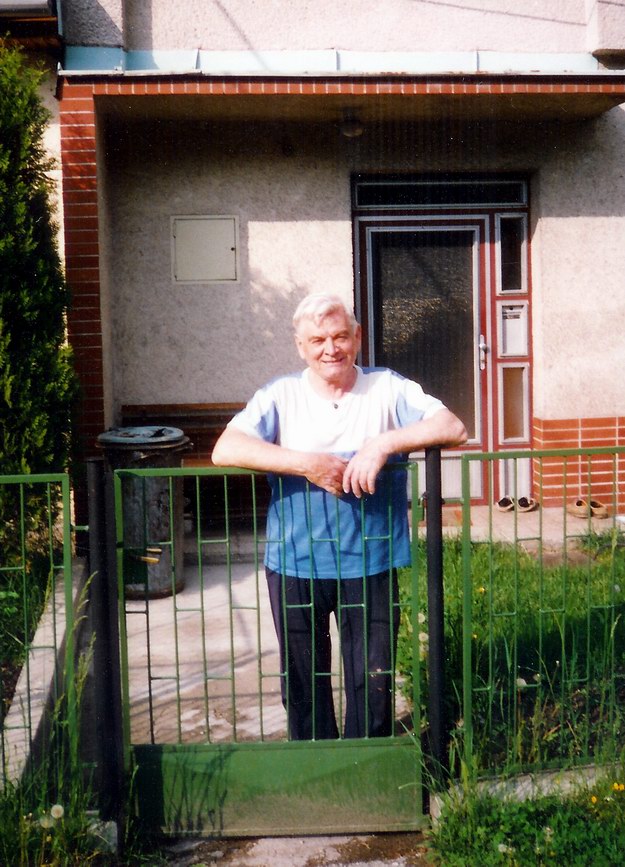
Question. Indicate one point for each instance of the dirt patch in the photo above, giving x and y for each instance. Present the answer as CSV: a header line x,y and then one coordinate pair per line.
x,y
209,852
555,555
406,849
377,849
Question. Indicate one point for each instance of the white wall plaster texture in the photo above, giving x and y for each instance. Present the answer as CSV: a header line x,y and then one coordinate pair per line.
x,y
95,22
606,25
579,268
216,342
402,25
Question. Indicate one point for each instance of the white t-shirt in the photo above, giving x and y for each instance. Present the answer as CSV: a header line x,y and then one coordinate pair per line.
x,y
311,533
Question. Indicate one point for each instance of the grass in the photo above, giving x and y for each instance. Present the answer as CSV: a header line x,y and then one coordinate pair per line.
x,y
547,688
22,600
584,828
547,653
47,818
30,545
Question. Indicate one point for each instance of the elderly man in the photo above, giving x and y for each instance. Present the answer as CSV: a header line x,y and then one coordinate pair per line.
x,y
324,435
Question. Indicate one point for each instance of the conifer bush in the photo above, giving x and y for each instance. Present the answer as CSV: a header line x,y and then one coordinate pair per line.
x,y
37,383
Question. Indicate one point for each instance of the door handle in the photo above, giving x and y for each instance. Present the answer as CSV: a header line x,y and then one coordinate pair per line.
x,y
483,348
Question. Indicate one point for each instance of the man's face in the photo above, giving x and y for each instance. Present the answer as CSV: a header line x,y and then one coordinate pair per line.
x,y
329,348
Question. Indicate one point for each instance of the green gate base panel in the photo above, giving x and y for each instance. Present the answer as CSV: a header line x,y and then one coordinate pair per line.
x,y
279,788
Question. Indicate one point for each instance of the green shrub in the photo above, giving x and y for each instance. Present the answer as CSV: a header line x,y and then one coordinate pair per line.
x,y
37,384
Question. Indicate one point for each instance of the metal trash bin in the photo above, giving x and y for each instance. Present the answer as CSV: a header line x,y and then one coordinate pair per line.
x,y
153,508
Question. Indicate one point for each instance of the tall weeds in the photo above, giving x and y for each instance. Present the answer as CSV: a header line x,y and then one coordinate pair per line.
x,y
547,654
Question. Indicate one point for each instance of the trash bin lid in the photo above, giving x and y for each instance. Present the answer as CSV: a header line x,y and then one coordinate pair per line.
x,y
139,436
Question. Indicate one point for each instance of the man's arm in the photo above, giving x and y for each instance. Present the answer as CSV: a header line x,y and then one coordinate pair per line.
x,y
234,448
441,429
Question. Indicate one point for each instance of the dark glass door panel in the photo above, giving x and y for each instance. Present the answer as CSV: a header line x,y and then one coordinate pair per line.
x,y
424,291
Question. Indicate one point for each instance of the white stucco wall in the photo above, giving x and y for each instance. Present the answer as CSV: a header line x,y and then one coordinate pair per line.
x,y
52,133
209,343
217,342
606,25
400,25
93,22
397,25
579,273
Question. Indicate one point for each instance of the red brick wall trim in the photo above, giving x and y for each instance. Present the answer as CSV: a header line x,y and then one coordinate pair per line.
x,y
563,479
107,84
80,204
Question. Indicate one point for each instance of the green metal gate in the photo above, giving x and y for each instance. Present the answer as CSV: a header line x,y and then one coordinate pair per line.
x,y
204,727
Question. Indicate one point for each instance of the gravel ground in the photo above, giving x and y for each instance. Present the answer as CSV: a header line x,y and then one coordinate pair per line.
x,y
377,850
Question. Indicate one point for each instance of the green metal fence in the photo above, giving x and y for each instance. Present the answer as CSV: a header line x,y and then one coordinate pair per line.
x,y
36,626
534,629
204,723
540,604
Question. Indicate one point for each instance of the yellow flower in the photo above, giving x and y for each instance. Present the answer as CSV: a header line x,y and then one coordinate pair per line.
x,y
481,589
593,799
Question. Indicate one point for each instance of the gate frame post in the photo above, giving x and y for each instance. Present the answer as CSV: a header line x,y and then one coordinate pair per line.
x,y
106,658
438,726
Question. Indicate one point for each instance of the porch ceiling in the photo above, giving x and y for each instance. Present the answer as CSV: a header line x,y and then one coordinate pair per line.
x,y
380,101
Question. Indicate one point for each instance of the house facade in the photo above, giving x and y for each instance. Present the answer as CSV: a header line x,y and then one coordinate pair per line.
x,y
456,171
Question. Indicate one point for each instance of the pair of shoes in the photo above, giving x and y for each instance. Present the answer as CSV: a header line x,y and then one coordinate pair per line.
x,y
584,509
526,504
506,504
523,504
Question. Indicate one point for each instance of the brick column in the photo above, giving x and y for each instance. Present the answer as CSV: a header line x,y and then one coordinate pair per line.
x,y
80,194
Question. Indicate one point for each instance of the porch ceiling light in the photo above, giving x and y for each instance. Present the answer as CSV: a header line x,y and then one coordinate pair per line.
x,y
351,126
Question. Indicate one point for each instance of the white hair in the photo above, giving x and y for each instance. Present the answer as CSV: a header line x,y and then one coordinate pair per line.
x,y
318,305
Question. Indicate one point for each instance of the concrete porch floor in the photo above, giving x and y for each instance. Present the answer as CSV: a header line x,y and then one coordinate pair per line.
x,y
553,525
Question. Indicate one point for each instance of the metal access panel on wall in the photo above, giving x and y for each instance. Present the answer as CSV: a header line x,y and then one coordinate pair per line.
x,y
204,249
205,730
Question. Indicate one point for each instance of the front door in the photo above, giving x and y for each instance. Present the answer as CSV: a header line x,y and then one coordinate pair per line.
x,y
444,300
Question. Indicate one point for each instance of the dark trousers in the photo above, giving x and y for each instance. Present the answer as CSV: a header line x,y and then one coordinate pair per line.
x,y
367,616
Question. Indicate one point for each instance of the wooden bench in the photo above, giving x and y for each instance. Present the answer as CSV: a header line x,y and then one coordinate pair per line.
x,y
201,422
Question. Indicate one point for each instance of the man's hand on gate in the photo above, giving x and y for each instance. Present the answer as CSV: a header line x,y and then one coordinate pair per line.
x,y
362,470
326,471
